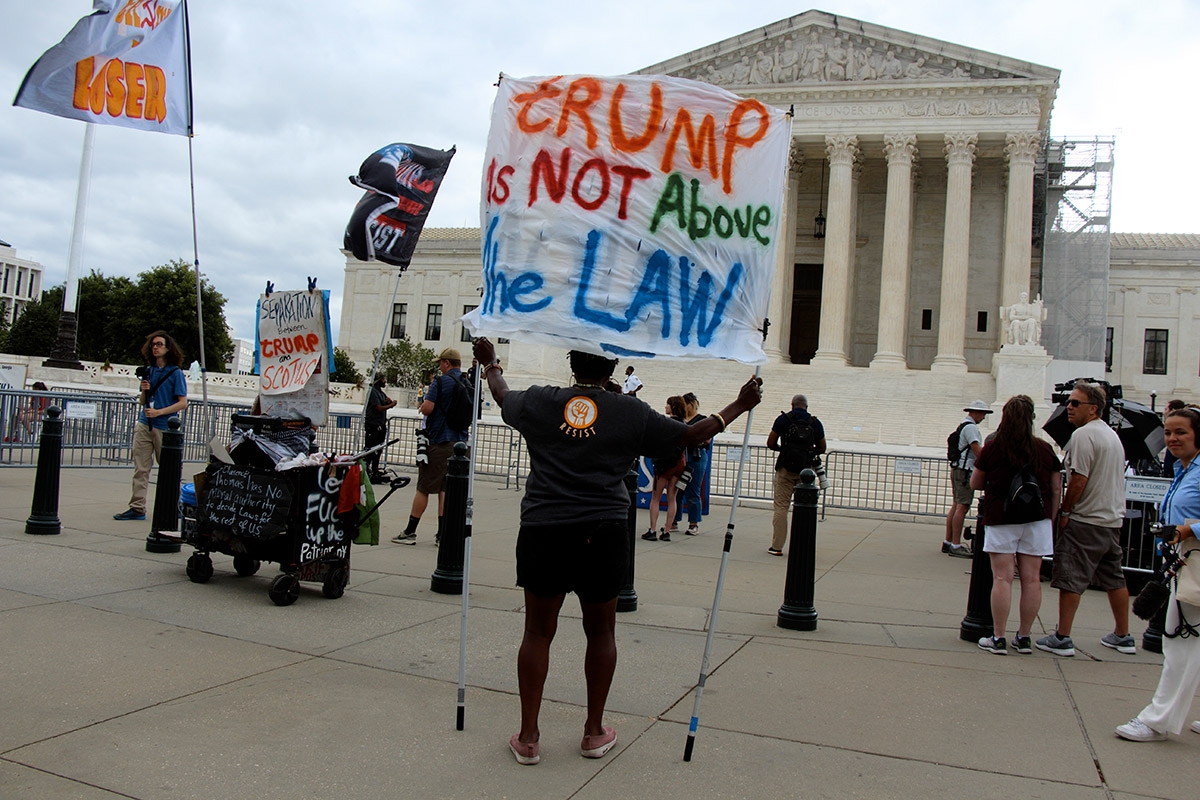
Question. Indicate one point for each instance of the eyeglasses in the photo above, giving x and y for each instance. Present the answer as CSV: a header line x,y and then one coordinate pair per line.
x,y
1077,403
158,344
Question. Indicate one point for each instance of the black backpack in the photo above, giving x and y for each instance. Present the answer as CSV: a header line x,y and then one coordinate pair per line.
x,y
460,412
953,452
1023,503
798,447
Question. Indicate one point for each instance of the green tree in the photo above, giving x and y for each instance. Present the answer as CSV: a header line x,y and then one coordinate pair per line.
x,y
35,332
405,363
344,368
165,297
101,317
3,325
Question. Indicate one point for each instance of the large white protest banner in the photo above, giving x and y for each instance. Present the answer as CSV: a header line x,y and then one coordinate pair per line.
x,y
125,64
631,215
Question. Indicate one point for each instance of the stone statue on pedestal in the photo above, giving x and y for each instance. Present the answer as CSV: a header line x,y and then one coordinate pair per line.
x,y
1022,321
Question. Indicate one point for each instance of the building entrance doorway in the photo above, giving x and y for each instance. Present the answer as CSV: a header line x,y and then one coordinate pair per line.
x,y
806,312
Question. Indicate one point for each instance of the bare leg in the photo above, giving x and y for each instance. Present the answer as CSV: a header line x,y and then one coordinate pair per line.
x,y
671,500
1030,568
1068,604
1002,577
1118,599
655,496
533,659
957,519
600,662
420,501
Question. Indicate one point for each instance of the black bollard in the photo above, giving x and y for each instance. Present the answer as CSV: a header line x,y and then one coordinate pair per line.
x,y
43,514
627,599
166,493
978,621
448,577
797,612
1152,639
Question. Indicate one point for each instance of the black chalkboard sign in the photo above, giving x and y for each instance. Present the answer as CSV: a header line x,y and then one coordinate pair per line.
x,y
244,501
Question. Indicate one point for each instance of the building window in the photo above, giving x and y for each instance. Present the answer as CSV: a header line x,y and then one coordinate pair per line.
x,y
466,334
399,319
1108,349
926,319
981,322
19,276
1154,354
433,323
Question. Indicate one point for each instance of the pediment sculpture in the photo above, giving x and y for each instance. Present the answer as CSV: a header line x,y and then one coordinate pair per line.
x,y
827,56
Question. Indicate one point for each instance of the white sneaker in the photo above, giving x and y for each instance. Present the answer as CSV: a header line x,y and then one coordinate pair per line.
x,y
1196,726
1137,731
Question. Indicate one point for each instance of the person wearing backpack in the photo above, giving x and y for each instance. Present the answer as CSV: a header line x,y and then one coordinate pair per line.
x,y
1021,479
962,448
448,408
799,437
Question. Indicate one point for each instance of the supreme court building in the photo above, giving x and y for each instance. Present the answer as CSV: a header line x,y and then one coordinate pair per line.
x,y
938,246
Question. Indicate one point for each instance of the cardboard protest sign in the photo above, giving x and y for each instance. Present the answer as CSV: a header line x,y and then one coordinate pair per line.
x,y
293,352
631,215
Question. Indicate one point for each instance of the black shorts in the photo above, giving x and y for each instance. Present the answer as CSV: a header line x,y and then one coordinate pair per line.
x,y
590,559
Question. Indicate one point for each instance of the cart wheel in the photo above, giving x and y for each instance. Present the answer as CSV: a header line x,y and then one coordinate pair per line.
x,y
284,590
199,568
245,565
335,582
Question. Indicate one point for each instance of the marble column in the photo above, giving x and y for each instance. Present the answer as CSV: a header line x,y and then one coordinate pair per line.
x,y
1021,150
780,309
956,244
1187,342
1132,339
839,251
901,152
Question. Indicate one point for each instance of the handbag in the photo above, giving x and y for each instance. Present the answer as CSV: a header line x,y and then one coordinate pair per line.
x,y
1187,578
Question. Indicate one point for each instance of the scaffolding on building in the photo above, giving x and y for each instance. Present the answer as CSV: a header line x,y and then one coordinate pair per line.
x,y
1075,247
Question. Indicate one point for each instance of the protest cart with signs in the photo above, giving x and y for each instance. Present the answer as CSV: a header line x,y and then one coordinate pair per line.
x,y
305,516
269,495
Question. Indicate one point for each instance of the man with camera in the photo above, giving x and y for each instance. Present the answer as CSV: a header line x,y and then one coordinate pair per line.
x,y
800,439
1087,550
163,395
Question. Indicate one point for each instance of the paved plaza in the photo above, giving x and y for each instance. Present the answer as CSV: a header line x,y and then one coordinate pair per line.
x,y
119,678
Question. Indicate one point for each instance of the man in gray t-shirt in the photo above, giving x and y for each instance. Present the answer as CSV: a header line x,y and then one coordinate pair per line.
x,y
1087,549
574,535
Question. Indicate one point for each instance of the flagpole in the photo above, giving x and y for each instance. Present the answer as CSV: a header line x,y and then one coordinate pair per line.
x,y
65,354
187,60
382,337
716,606
466,590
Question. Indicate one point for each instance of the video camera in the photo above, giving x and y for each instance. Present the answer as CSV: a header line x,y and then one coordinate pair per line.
x,y
1063,390
143,373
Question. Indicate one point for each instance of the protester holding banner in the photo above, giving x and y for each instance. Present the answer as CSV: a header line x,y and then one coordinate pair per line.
x,y
164,395
574,518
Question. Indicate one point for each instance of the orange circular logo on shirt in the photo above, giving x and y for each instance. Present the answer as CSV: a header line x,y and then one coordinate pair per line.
x,y
580,412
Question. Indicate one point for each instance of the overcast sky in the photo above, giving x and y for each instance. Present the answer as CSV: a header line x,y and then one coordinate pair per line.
x,y
291,97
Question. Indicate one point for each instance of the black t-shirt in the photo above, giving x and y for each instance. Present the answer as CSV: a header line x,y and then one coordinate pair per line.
x,y
998,476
